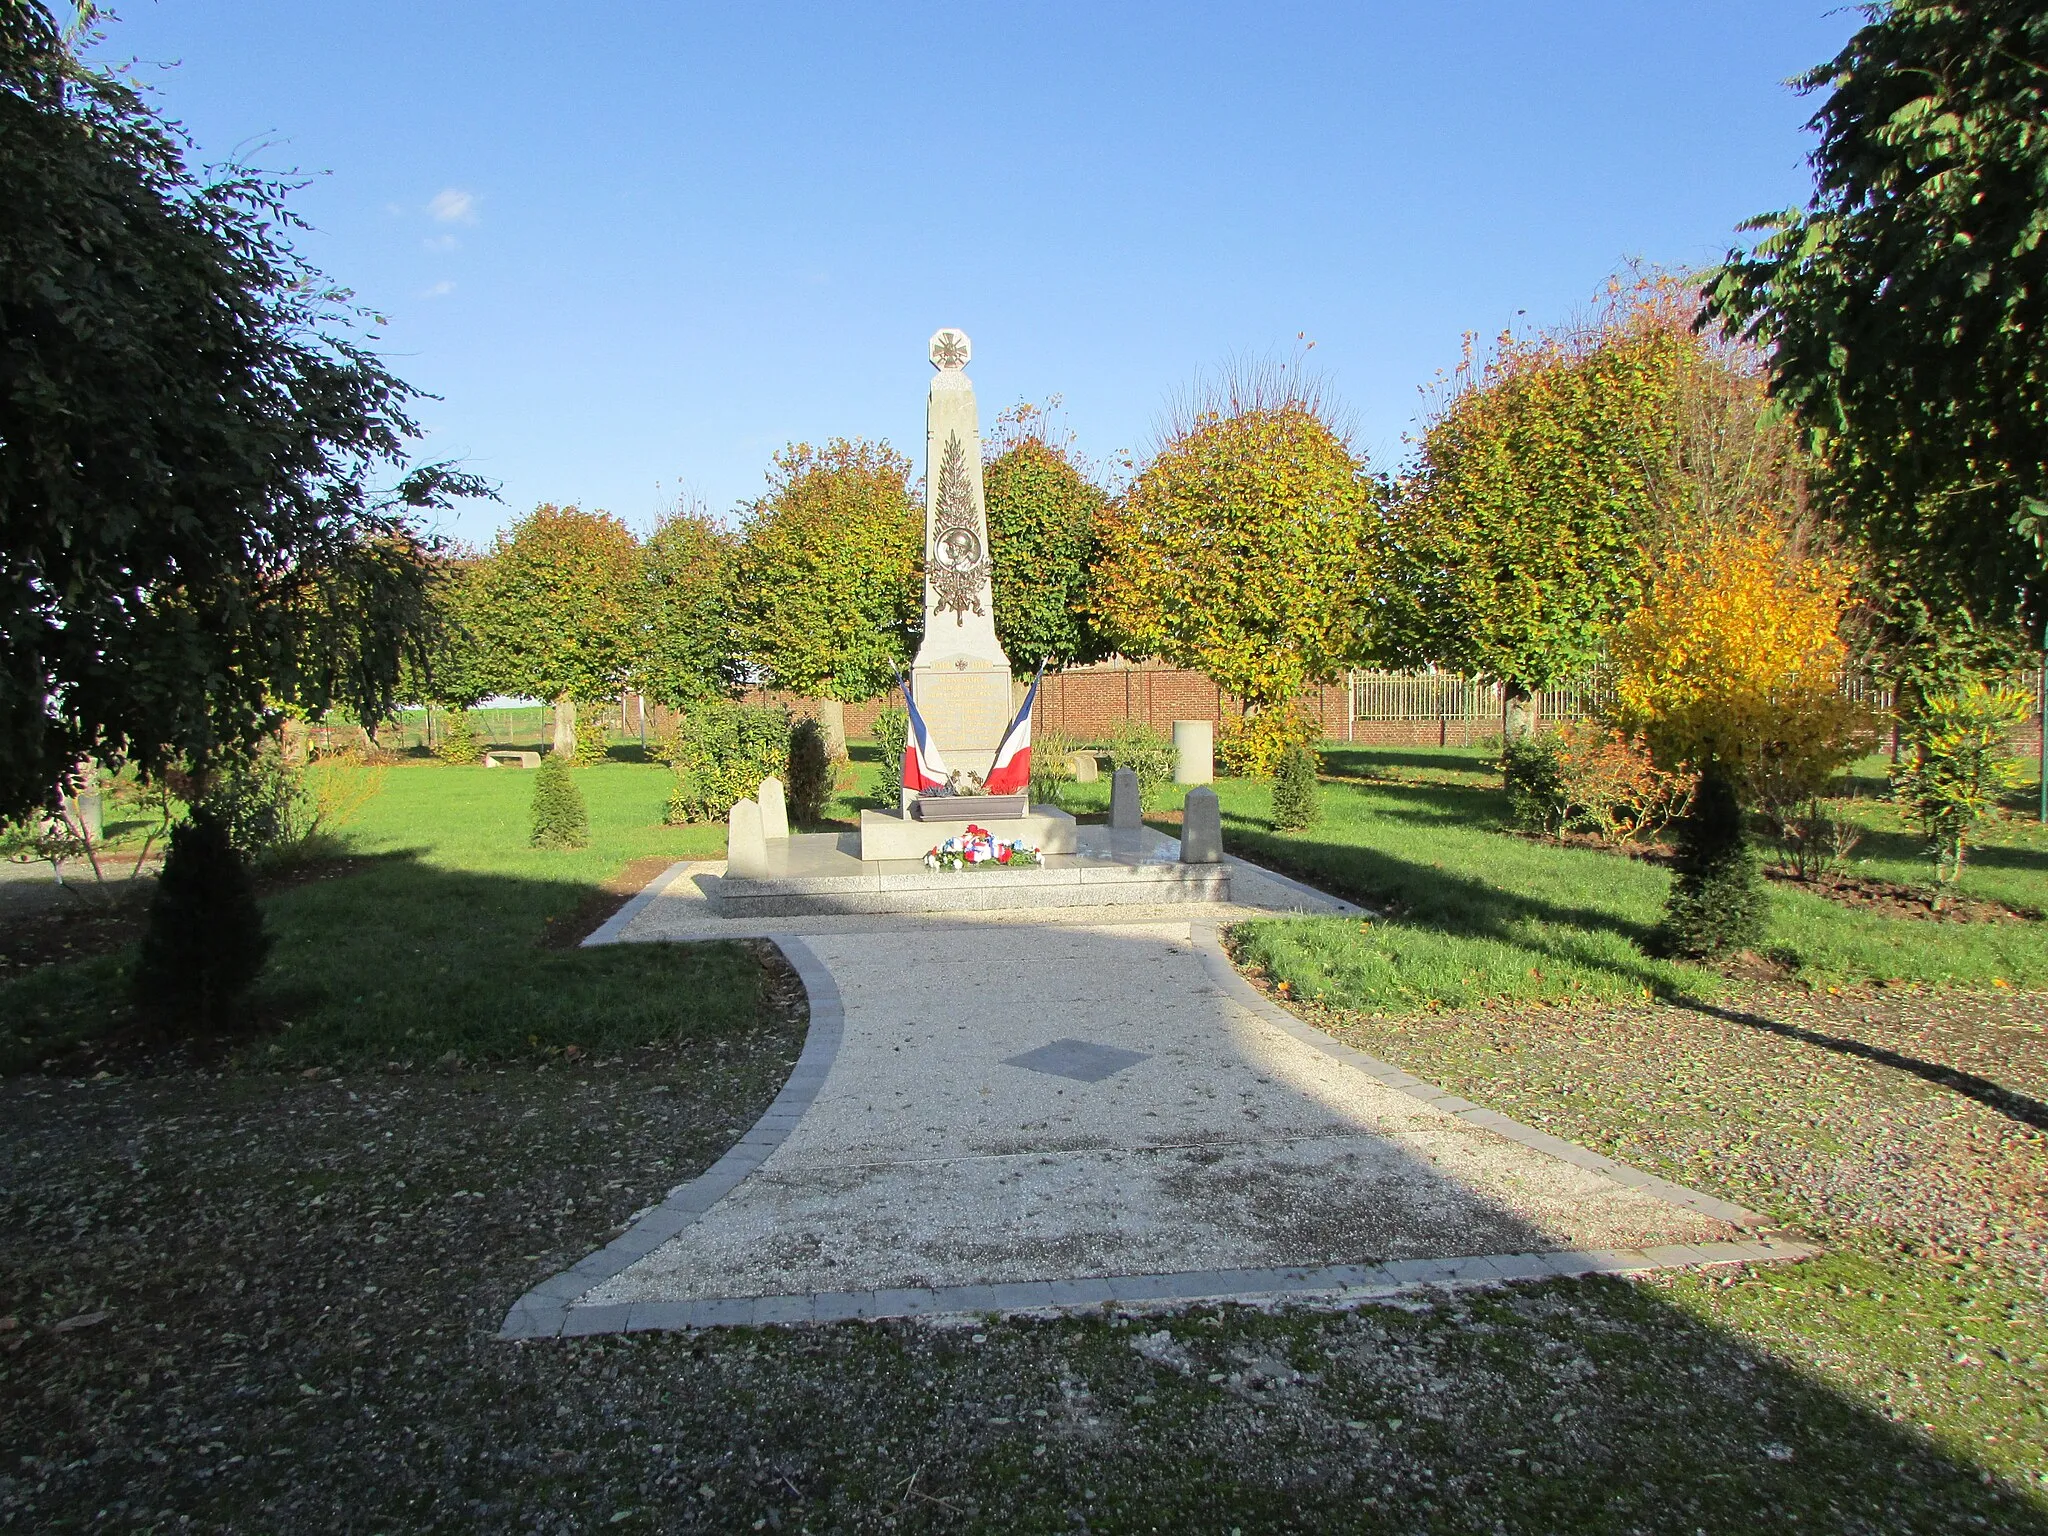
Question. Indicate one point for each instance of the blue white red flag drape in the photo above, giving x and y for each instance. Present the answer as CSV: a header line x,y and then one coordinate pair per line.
x,y
1011,774
923,769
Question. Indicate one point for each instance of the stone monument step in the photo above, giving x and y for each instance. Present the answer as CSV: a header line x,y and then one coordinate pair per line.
x,y
820,873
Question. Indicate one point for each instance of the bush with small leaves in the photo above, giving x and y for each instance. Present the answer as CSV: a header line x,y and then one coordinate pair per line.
x,y
560,819
593,737
1148,752
1252,745
1297,794
205,942
1532,772
461,742
810,772
1051,773
261,800
892,730
721,752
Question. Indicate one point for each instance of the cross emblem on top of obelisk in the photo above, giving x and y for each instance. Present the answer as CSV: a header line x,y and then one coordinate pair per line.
x,y
950,350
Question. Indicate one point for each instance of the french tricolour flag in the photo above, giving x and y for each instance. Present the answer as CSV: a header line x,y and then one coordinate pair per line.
x,y
923,769
1011,774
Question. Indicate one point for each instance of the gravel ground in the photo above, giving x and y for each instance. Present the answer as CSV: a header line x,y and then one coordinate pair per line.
x,y
249,1303
1917,1116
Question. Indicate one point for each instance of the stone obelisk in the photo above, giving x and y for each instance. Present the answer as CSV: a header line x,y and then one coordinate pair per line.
x,y
961,676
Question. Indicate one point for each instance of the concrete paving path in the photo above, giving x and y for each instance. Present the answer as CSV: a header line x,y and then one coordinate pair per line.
x,y
1009,1111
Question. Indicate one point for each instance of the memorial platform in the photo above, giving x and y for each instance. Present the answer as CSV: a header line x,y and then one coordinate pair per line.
x,y
823,873
888,835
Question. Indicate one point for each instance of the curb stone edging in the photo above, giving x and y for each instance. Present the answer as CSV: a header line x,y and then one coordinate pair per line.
x,y
1342,907
1208,940
547,1310
609,931
1330,1286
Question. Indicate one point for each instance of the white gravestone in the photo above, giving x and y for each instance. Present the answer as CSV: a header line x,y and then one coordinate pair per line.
x,y
746,851
774,810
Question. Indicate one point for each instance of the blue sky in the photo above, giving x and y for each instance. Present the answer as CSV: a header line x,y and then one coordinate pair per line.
x,y
638,246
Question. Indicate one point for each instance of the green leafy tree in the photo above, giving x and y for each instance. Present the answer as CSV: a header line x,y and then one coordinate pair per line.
x,y
452,668
829,597
689,563
1522,530
1905,308
194,534
1247,549
559,607
1042,516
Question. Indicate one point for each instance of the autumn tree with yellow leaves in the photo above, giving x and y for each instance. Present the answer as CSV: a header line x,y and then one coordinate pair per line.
x,y
1731,669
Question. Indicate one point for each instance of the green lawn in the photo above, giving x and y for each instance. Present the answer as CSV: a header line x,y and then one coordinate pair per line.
x,y
1474,914
434,942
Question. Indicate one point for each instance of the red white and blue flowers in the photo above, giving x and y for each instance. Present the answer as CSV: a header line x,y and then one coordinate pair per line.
x,y
979,848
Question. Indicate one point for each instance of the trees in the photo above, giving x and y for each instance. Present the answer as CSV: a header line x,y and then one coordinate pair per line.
x,y
1905,308
828,597
1247,549
558,606
1731,669
1042,516
189,512
1521,530
688,566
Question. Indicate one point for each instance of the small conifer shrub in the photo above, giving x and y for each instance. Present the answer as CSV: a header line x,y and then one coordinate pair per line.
x,y
810,772
205,941
560,819
1718,903
1297,796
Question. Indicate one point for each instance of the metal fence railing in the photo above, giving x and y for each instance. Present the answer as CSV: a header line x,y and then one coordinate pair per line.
x,y
1448,696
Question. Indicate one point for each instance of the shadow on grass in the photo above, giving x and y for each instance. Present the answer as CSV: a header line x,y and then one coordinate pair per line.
x,y
1365,762
2006,1101
1426,896
396,958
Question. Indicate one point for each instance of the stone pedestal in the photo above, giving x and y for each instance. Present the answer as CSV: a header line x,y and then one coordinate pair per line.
x,y
1126,810
887,835
1201,831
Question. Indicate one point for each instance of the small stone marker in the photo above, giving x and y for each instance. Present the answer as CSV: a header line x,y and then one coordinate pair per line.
x,y
774,810
1201,831
1194,751
1084,767
1124,812
746,851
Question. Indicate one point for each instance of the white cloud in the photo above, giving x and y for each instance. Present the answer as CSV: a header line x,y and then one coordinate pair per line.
x,y
451,205
441,243
440,290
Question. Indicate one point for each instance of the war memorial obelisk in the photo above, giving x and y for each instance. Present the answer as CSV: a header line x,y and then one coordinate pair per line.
x,y
961,678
